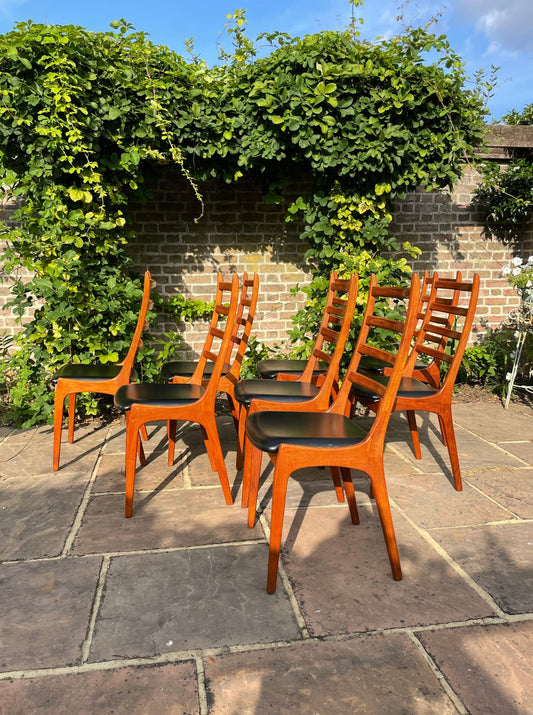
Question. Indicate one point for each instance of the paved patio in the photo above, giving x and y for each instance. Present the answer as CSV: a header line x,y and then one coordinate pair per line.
x,y
167,612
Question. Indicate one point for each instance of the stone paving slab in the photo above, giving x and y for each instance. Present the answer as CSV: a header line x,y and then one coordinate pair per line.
x,y
490,667
37,514
155,475
169,689
25,460
181,600
498,557
474,452
342,580
493,423
167,519
431,501
512,488
44,612
372,674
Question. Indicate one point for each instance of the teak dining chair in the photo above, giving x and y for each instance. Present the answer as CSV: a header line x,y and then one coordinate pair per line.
x,y
191,402
426,371
259,394
295,440
180,371
447,322
100,378
292,369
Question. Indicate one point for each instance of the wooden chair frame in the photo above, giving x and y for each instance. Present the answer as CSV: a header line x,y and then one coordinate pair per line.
x,y
334,329
78,377
191,403
437,330
239,342
365,450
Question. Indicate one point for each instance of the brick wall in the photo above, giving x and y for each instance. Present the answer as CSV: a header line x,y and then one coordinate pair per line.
x,y
240,232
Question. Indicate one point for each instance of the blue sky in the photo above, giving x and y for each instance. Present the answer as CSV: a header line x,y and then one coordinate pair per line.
x,y
482,32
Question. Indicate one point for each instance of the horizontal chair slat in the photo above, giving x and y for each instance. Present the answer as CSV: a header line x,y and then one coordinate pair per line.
x,y
367,382
386,323
435,353
444,332
390,292
330,335
453,309
378,353
453,285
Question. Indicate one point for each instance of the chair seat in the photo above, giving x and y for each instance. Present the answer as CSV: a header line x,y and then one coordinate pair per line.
x,y
155,395
184,368
270,369
409,387
268,430
91,373
278,391
372,364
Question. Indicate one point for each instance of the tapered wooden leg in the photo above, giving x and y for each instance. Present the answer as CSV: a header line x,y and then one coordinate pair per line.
x,y
241,436
443,431
171,431
214,450
350,494
140,448
254,460
132,438
59,400
71,416
335,476
382,502
411,418
449,434
144,433
279,492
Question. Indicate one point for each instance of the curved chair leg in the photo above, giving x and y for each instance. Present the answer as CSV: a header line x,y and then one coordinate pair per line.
x,y
443,431
241,437
279,492
171,432
449,436
411,418
350,494
59,400
140,449
254,459
214,451
71,415
385,516
132,441
144,433
337,483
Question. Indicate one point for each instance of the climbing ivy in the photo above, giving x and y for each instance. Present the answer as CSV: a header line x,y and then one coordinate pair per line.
x,y
82,115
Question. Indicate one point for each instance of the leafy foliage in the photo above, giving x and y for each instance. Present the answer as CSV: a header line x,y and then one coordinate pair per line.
x,y
507,196
82,114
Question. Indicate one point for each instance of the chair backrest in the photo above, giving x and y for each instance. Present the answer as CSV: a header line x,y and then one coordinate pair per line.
x,y
449,317
374,383
430,373
218,342
242,329
334,329
141,326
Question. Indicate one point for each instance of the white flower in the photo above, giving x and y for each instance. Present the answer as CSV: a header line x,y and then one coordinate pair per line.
x,y
516,271
530,260
506,270
517,261
508,376
529,284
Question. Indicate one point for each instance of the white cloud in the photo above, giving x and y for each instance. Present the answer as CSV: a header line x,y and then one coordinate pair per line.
x,y
508,23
